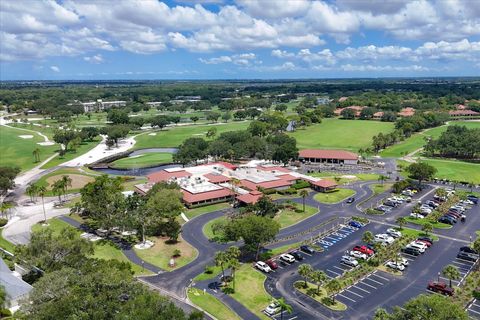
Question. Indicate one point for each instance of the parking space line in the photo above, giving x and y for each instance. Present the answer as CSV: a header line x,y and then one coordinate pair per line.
x,y
369,285
348,290
376,275
370,279
474,311
463,263
333,272
341,295
411,256
341,268
357,287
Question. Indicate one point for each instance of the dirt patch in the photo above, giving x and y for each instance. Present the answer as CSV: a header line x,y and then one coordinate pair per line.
x,y
78,180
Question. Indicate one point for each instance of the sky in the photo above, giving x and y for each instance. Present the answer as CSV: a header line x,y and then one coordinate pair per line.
x,y
238,39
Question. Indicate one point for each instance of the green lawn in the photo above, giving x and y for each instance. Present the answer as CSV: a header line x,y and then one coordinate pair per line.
x,y
288,247
421,222
205,276
192,213
17,151
6,244
340,134
174,136
249,290
417,140
456,170
161,253
207,227
211,305
336,196
380,188
342,179
142,160
84,147
416,233
79,179
338,306
288,217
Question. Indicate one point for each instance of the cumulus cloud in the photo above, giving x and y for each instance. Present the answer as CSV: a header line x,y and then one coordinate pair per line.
x,y
55,68
94,59
243,59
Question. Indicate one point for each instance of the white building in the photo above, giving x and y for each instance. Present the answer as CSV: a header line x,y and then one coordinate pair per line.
x,y
101,105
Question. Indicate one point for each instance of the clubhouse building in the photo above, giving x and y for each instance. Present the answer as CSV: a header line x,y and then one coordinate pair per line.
x,y
312,156
222,181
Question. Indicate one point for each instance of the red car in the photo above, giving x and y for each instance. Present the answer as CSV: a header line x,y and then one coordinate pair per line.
x,y
427,243
272,264
363,249
440,287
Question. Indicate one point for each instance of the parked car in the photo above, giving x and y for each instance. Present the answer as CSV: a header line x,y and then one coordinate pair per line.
x,y
402,260
384,238
297,255
416,215
262,266
394,233
383,208
440,287
307,249
432,204
358,255
427,243
364,249
272,264
287,258
395,266
411,251
473,198
446,220
272,309
467,256
426,239
350,200
468,250
416,246
350,261
355,224
390,203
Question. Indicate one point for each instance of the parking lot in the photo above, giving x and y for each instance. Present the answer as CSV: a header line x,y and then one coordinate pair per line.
x,y
474,309
363,288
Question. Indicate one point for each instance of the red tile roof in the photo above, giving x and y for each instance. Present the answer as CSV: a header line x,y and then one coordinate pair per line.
x,y
378,114
325,183
407,112
327,154
461,107
227,165
216,178
266,185
209,195
165,175
250,198
288,177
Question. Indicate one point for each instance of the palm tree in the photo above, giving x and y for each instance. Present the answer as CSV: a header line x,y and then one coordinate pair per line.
x,y
57,189
36,154
382,178
333,286
41,192
4,207
401,221
319,277
303,194
284,306
367,237
221,259
67,182
234,183
427,228
233,254
32,191
305,270
451,272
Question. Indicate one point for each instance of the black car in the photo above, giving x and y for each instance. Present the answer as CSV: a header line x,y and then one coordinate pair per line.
x,y
468,250
390,204
473,198
412,251
467,256
350,200
446,220
307,249
297,255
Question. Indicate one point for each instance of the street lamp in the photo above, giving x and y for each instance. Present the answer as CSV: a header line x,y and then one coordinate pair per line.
x,y
438,278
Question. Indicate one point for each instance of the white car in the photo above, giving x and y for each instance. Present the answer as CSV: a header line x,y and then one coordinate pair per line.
x,y
272,309
350,261
416,215
384,238
421,247
260,265
395,266
394,233
287,258
358,255
402,260
467,202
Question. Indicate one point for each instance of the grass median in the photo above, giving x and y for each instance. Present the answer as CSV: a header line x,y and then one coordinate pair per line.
x,y
142,160
422,222
336,196
211,305
320,296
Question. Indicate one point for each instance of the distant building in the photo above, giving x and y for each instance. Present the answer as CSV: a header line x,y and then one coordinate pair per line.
x,y
153,104
15,288
464,114
328,156
212,183
323,100
356,109
378,115
406,112
101,105
182,99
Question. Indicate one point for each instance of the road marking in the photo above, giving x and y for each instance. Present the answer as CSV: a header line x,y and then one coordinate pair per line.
x,y
409,255
348,290
376,275
333,272
474,311
357,287
374,281
368,285
463,263
341,295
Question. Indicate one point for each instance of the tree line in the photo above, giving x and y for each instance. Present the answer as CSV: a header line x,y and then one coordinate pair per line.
x,y
456,142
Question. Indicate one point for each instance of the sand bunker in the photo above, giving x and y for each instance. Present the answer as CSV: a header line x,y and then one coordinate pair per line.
x,y
26,136
78,180
152,134
349,177
46,143
147,245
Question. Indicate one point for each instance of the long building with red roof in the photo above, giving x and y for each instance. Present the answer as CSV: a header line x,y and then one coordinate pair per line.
x,y
327,156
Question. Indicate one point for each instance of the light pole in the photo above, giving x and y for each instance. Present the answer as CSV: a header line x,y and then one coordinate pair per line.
x,y
438,276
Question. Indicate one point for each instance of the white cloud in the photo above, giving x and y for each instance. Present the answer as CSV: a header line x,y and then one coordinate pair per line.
x,y
463,49
94,59
243,59
367,68
274,9
55,68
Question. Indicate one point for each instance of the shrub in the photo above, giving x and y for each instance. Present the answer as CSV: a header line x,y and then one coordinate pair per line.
x,y
288,191
3,222
301,185
327,301
298,210
228,290
360,219
373,211
312,292
265,255
177,253
208,269
299,285
5,313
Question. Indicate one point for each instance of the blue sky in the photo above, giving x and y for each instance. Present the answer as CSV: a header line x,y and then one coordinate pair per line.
x,y
215,39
